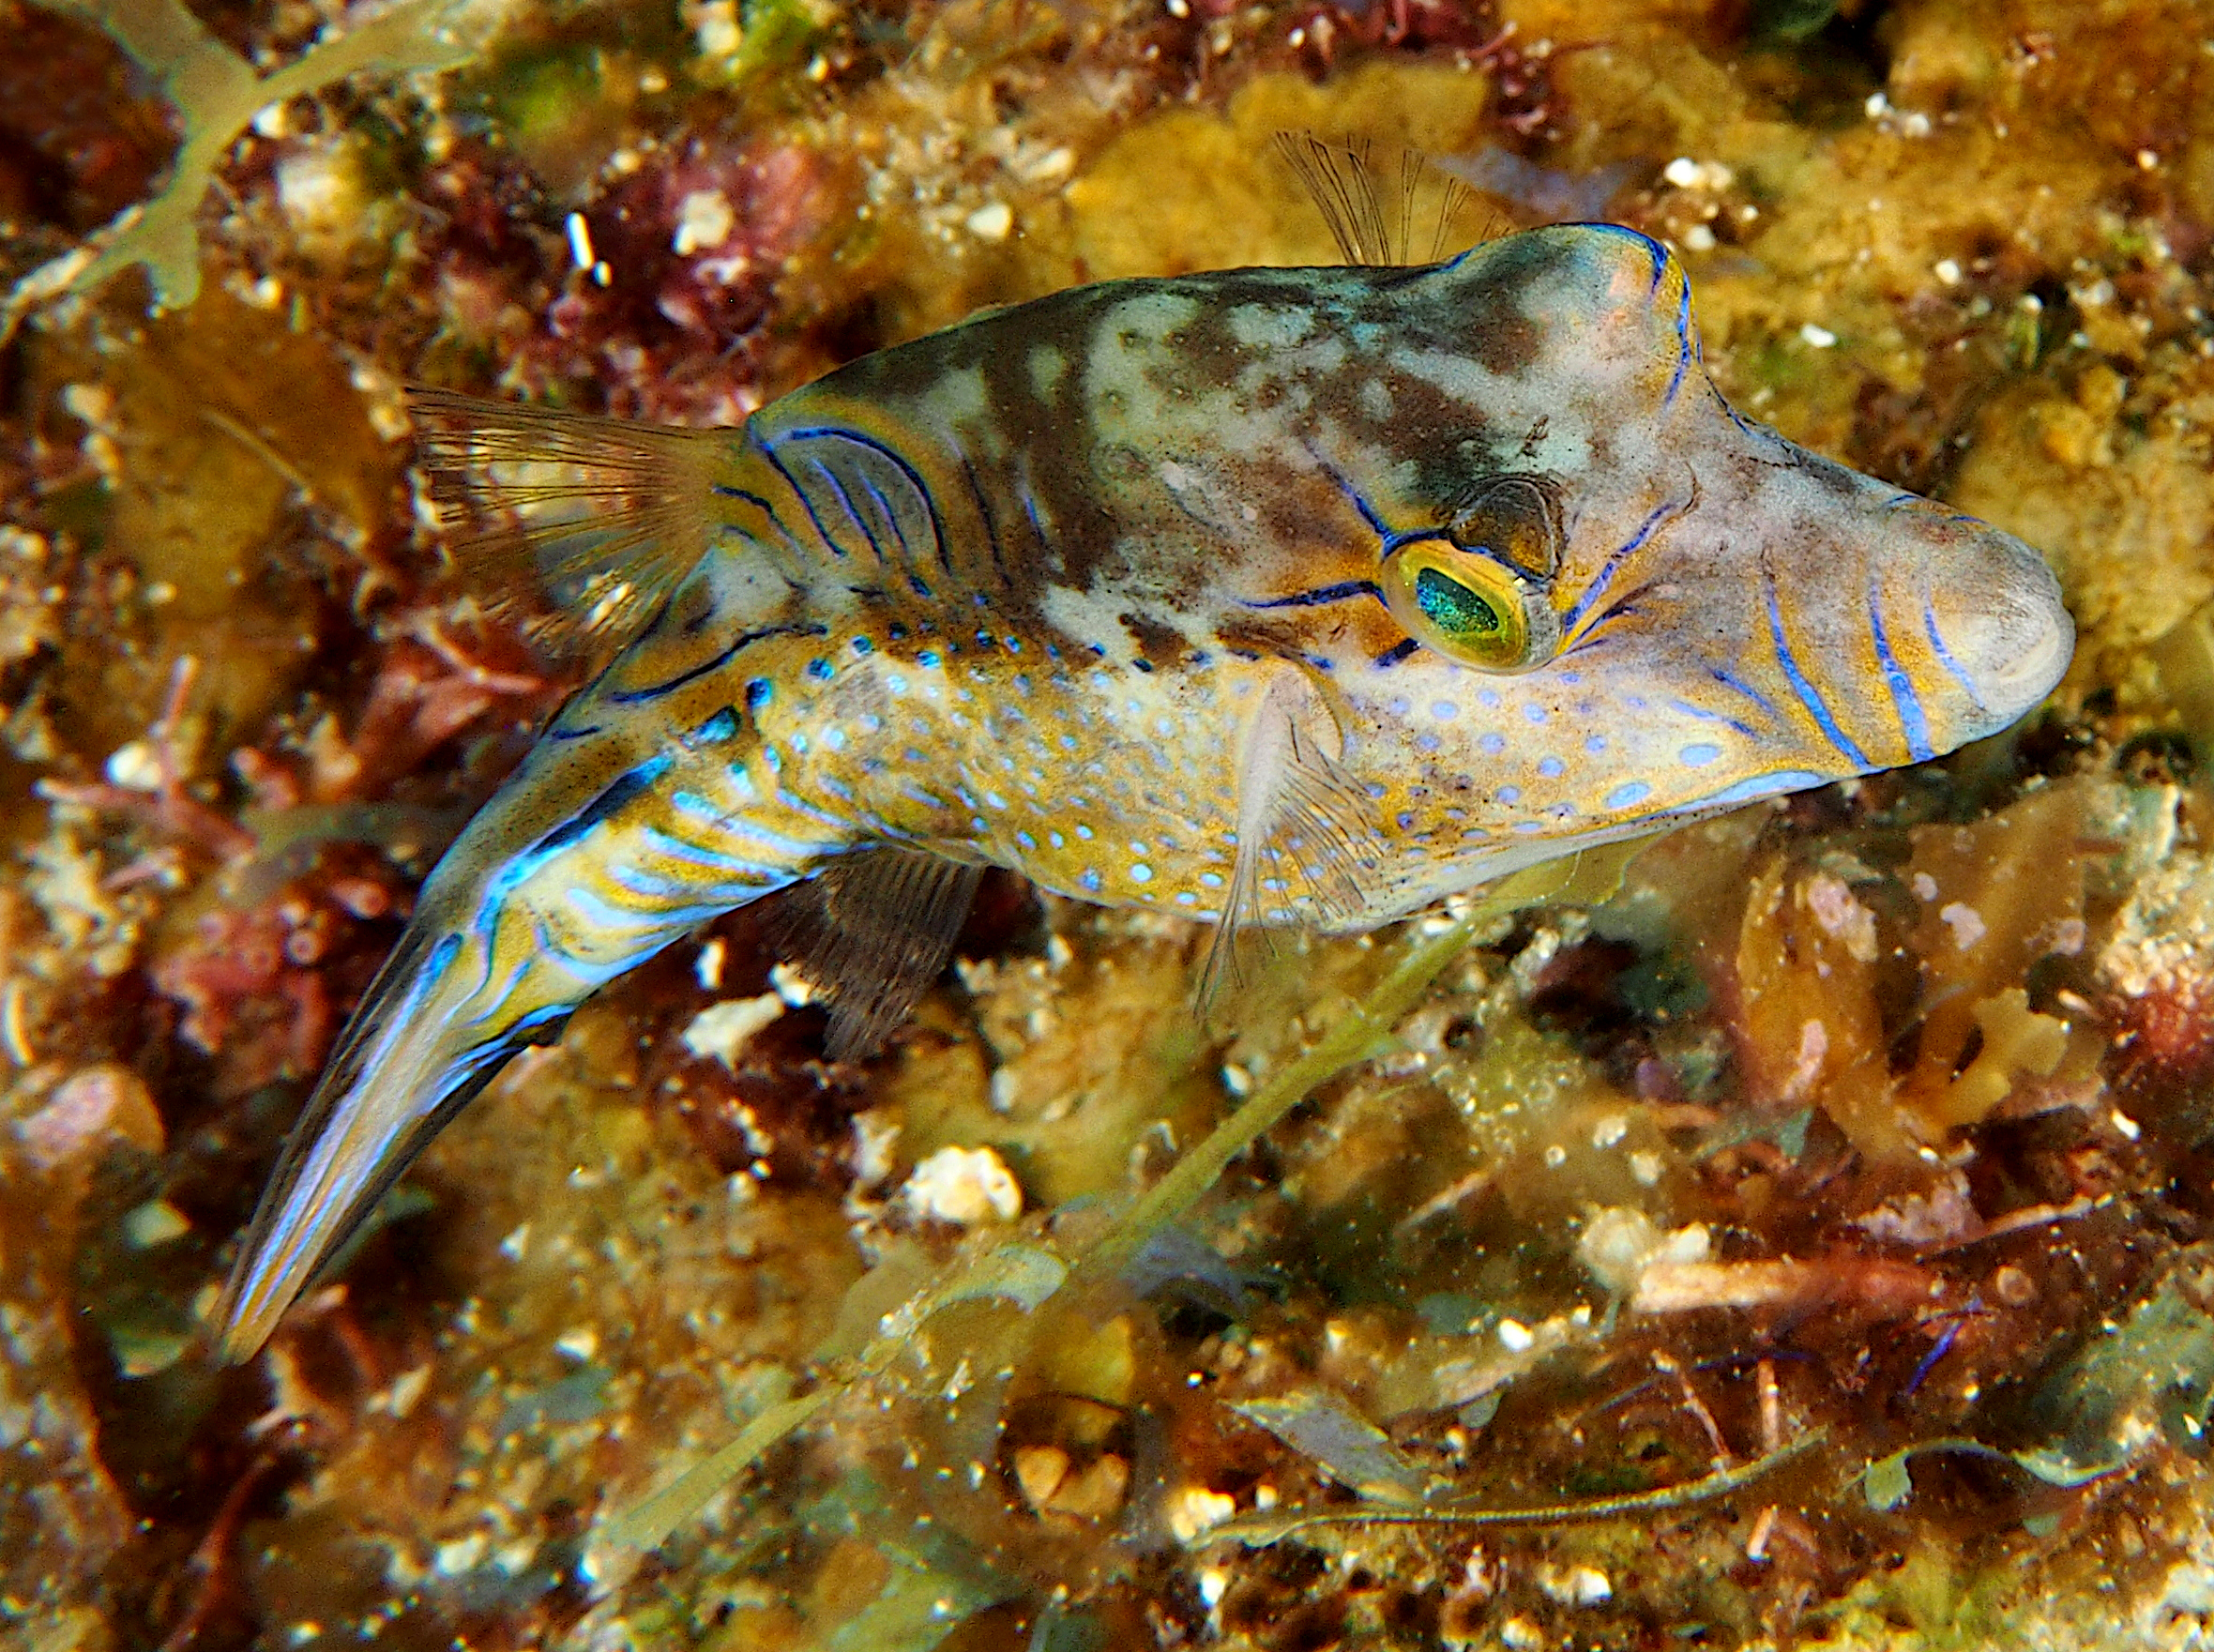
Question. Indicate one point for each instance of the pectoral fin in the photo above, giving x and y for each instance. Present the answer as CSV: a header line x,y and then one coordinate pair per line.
x,y
1309,849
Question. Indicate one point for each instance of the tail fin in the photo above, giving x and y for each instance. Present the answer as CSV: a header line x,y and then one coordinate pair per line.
x,y
408,1064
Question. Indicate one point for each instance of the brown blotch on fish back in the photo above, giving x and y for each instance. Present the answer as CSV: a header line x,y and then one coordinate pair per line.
x,y
1495,329
1159,645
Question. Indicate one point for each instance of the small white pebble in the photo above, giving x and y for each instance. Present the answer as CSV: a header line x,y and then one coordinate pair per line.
x,y
1947,272
1576,1585
793,988
1515,1337
722,1030
703,221
1610,1130
1965,922
580,242
1237,1080
1645,1168
1876,107
991,222
463,1555
156,1223
135,768
875,1136
1194,1510
517,1243
579,1345
1520,1634
2127,1126
1819,338
2148,160
1214,1582
1683,171
1698,239
964,1185
407,1388
1925,886
707,967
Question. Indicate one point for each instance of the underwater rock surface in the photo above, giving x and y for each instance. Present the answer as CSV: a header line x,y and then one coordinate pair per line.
x,y
1800,1230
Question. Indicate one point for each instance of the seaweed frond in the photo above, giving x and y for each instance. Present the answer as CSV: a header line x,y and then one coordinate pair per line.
x,y
216,94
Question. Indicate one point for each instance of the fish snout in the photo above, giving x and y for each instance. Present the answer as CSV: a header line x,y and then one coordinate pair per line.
x,y
1992,624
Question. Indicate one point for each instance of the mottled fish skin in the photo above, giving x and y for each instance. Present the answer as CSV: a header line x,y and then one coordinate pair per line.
x,y
1086,586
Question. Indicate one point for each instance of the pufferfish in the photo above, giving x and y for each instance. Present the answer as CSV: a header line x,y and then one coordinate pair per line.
x,y
1261,597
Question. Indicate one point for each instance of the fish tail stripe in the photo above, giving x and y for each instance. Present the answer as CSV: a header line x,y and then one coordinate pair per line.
x,y
738,646
899,462
633,879
1912,722
839,824
846,503
685,852
610,916
798,492
1803,689
726,823
494,1000
984,504
744,495
608,922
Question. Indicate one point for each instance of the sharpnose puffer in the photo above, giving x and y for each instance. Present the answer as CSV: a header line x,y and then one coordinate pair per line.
x,y
1266,597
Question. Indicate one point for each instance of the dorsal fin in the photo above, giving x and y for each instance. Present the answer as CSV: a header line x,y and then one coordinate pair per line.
x,y
582,525
1304,825
1373,223
871,931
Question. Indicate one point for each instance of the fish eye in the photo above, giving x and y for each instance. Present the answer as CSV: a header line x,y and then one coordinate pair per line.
x,y
1470,607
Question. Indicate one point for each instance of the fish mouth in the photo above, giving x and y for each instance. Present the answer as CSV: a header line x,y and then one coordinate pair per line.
x,y
1997,624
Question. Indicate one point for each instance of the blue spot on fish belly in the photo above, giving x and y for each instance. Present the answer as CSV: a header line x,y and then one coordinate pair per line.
x,y
1629,795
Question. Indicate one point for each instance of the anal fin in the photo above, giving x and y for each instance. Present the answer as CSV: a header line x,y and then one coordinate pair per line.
x,y
871,931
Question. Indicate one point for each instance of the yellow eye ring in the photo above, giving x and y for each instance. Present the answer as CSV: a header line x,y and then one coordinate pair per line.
x,y
1469,608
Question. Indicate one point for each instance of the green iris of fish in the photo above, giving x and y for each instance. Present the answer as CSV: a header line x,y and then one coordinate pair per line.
x,y
1263,597
1453,608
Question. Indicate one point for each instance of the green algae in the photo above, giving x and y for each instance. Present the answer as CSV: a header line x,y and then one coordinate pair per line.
x,y
216,95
